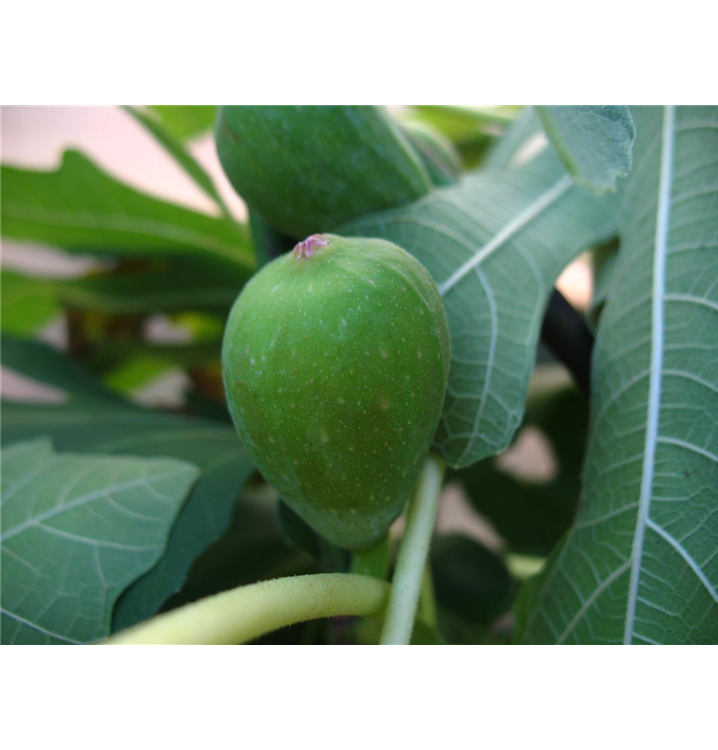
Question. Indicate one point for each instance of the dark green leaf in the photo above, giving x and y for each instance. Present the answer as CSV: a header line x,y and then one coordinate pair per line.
x,y
297,531
80,207
181,285
113,426
468,579
108,354
252,549
128,431
204,406
77,530
268,243
532,515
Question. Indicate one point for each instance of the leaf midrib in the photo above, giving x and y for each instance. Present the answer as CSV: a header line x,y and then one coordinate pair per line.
x,y
656,364
534,209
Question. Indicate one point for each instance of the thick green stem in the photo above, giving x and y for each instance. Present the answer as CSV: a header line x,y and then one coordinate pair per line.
x,y
411,562
245,613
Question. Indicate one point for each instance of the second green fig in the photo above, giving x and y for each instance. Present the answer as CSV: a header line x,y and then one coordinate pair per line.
x,y
309,169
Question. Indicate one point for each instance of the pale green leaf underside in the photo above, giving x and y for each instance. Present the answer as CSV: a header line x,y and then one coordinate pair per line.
x,y
77,530
80,207
595,142
494,245
641,563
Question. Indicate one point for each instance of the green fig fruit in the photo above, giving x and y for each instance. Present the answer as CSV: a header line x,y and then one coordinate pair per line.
x,y
308,169
335,362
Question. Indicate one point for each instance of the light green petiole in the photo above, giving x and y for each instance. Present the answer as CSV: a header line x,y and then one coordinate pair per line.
x,y
245,613
410,576
412,559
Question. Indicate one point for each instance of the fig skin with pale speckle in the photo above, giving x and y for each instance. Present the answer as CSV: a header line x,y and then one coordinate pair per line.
x,y
335,363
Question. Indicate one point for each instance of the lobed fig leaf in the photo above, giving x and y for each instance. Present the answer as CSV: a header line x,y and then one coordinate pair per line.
x,y
335,361
308,169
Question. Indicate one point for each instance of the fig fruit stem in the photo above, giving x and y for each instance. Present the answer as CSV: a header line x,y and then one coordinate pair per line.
x,y
427,600
373,561
413,553
245,613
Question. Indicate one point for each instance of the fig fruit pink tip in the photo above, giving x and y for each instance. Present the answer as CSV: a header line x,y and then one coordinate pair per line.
x,y
308,247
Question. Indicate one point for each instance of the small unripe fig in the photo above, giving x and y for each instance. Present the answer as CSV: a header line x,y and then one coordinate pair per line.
x,y
335,361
